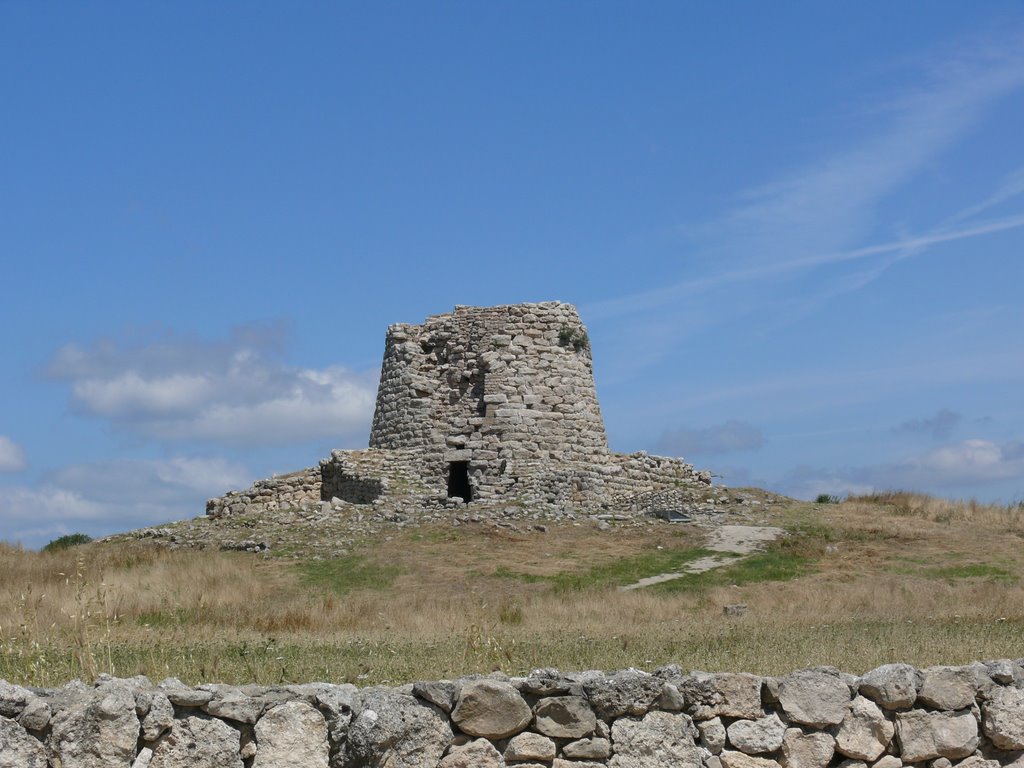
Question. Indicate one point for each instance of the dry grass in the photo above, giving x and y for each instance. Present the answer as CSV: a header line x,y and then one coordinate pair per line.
x,y
899,577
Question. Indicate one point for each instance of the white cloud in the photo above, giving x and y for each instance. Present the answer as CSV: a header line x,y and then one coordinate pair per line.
x,y
164,481
238,390
12,457
965,464
130,393
113,496
727,437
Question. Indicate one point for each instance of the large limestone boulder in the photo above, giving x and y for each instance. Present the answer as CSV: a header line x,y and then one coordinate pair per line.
x,y
658,739
477,754
927,735
815,697
977,761
948,688
564,717
98,729
441,693
335,702
18,749
865,732
198,741
891,686
182,695
588,749
732,759
530,746
492,709
725,695
712,735
807,750
1002,717
394,730
232,704
628,692
159,716
13,699
754,737
36,715
291,735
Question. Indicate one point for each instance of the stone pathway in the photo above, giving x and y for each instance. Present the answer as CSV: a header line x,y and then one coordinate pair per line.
x,y
733,541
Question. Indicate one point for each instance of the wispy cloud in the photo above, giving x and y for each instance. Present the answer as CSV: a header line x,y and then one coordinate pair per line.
x,y
12,456
1011,187
234,390
822,213
688,288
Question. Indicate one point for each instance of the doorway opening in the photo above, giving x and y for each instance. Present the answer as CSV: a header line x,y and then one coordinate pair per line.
x,y
458,481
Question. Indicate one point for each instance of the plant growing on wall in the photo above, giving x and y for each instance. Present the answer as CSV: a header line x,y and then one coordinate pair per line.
x,y
569,336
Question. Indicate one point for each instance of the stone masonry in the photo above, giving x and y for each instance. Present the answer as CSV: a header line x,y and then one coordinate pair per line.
x,y
484,406
893,716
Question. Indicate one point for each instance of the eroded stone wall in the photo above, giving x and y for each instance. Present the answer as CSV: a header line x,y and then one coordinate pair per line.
x,y
893,716
296,489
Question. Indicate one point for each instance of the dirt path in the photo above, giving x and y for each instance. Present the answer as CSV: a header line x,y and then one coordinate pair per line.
x,y
733,541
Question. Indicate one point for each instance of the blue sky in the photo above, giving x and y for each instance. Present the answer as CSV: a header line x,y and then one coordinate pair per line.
x,y
794,231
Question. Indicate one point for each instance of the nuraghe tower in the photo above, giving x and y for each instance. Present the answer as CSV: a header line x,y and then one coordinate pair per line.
x,y
482,406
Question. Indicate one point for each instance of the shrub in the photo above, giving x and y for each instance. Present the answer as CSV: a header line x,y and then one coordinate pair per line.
x,y
66,542
577,338
826,498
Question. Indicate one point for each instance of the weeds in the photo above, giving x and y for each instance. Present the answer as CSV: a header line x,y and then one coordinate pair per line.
x,y
577,338
905,578
343,574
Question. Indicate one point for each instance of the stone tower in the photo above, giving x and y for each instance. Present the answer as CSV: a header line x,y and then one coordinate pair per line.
x,y
492,389
483,405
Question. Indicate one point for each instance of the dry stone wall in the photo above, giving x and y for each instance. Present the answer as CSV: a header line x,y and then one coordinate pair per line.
x,y
893,716
296,489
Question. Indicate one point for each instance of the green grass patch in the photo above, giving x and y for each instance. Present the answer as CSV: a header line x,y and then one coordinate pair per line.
x,y
970,571
615,573
811,529
776,564
922,568
177,617
343,574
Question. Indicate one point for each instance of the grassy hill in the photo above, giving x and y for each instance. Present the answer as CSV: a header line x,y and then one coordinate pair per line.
x,y
892,577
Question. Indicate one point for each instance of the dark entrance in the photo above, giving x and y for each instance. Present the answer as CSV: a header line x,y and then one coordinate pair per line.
x,y
458,481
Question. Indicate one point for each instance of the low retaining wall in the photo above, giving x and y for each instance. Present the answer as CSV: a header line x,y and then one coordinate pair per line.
x,y
895,715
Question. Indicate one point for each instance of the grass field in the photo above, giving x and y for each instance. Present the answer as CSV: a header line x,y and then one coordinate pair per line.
x,y
892,577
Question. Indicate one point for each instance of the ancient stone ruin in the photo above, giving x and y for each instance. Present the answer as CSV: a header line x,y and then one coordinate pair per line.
x,y
893,716
483,406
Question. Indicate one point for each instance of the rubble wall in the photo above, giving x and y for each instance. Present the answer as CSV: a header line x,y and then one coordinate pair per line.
x,y
296,489
402,477
893,716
